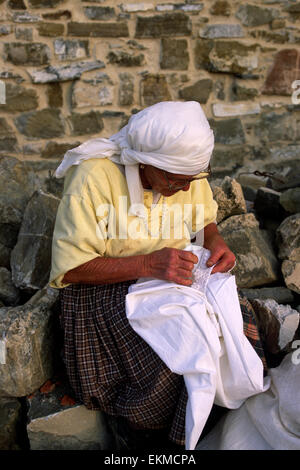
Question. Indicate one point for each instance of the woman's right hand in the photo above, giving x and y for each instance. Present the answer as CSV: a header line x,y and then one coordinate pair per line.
x,y
171,264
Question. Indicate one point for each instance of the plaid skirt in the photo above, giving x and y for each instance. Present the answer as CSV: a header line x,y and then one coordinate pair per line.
x,y
111,368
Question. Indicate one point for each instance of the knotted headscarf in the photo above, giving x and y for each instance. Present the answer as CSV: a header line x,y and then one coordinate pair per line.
x,y
174,136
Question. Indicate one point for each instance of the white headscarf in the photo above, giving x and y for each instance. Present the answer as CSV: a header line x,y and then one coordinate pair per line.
x,y
172,135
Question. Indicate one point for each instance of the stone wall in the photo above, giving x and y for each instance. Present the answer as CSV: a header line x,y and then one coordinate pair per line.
x,y
75,69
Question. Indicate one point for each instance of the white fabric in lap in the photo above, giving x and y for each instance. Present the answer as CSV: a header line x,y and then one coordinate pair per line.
x,y
198,332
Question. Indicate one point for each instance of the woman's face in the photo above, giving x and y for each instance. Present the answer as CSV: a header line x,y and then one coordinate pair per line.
x,y
161,181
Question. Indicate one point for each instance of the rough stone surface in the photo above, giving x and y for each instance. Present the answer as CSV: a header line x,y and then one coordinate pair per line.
x,y
90,94
58,422
273,127
51,29
173,24
288,238
252,15
223,110
10,409
199,91
126,89
291,273
41,124
57,149
9,294
256,261
283,72
19,99
87,123
67,49
99,13
35,53
241,93
104,30
230,199
228,131
221,8
54,95
281,319
290,200
64,72
215,31
281,295
154,88
29,331
124,59
31,257
174,54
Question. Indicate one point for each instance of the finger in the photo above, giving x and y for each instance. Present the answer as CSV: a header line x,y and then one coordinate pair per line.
x,y
187,265
214,258
188,256
227,263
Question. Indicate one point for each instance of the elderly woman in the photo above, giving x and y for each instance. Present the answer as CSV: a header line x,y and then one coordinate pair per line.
x,y
131,204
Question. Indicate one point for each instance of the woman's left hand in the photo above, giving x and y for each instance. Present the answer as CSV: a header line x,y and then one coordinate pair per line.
x,y
221,255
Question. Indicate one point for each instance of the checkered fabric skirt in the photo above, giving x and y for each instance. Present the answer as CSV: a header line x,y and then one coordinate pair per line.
x,y
110,367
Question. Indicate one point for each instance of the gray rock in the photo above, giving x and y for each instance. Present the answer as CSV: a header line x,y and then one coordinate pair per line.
x,y
291,273
126,89
214,31
252,15
256,261
67,49
199,91
281,295
63,73
31,257
10,411
290,200
57,422
228,131
267,204
288,238
284,321
9,294
230,199
30,350
41,124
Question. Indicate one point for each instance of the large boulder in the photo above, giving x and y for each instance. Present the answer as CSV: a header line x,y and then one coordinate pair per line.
x,y
31,257
256,263
230,198
29,340
288,241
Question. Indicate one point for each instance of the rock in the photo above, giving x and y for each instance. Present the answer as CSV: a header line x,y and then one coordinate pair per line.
x,y
63,73
51,29
67,49
25,17
282,73
221,7
214,31
60,14
24,34
199,91
99,13
154,88
173,24
252,15
54,95
277,324
10,410
124,59
57,149
17,5
267,204
98,30
256,262
9,294
90,94
30,351
223,110
18,53
41,124
44,3
228,131
174,54
290,200
291,273
126,89
133,7
19,99
288,238
230,158
241,93
230,199
281,295
31,257
86,123
58,422
271,127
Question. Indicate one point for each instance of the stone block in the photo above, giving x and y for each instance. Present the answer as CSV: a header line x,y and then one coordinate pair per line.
x,y
288,238
256,263
66,49
35,53
241,109
215,31
291,273
277,324
230,199
91,94
125,59
252,15
174,54
87,123
57,149
9,294
31,256
199,91
58,422
154,88
159,26
290,200
58,15
19,99
24,34
25,17
5,30
51,29
220,8
44,3
30,351
99,30
135,7
54,95
99,13
10,412
126,89
271,127
283,72
281,295
266,204
241,93
228,131
16,4
42,124
64,73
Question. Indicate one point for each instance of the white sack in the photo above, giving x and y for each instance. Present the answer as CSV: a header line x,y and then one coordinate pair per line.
x,y
198,333
268,421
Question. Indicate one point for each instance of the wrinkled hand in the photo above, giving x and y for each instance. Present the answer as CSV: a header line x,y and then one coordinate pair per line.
x,y
220,252
171,264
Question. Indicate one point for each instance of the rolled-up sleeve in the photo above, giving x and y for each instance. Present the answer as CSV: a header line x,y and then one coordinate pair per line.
x,y
78,237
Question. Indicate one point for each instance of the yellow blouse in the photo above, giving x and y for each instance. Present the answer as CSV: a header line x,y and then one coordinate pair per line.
x,y
92,218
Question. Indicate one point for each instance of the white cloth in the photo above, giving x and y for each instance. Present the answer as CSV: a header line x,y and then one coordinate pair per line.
x,y
172,135
267,421
198,332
